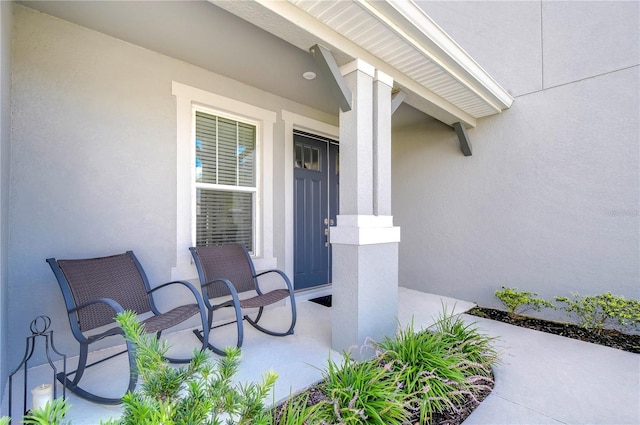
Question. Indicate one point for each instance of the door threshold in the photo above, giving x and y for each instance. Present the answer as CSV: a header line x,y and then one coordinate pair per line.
x,y
315,292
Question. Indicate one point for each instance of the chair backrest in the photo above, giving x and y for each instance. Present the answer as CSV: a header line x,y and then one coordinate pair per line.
x,y
231,261
119,277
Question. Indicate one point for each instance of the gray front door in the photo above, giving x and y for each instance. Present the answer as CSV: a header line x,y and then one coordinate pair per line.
x,y
316,206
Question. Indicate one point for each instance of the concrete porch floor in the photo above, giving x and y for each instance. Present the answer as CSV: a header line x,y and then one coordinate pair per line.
x,y
542,379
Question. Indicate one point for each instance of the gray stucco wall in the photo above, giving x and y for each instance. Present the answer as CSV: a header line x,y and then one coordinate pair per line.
x,y
6,26
94,158
549,200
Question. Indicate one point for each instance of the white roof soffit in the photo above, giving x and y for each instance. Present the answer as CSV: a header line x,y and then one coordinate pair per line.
x,y
397,37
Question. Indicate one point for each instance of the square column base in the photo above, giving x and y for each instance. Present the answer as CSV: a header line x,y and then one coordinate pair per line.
x,y
365,296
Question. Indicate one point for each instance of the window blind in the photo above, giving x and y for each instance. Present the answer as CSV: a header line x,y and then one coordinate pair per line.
x,y
225,157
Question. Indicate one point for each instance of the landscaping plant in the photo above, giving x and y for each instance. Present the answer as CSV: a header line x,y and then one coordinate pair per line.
x,y
439,368
297,411
594,311
519,302
362,393
200,393
464,337
51,414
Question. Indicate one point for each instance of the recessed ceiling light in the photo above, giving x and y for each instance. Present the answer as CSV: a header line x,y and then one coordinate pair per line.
x,y
309,75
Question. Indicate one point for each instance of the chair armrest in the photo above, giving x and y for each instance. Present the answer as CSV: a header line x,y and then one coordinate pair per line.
x,y
281,273
175,282
108,301
186,284
75,329
230,287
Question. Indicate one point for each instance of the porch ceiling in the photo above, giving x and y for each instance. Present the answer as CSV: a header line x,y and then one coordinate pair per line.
x,y
397,37
438,76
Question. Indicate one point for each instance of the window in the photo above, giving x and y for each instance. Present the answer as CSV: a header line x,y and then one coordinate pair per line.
x,y
225,180
254,187
307,157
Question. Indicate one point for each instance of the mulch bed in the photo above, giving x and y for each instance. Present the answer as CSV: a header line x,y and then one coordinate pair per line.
x,y
609,338
445,418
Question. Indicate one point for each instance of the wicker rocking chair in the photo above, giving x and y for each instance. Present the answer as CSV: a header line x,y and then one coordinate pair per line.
x,y
226,271
95,290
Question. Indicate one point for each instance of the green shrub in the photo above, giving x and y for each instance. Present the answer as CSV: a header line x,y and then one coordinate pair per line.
x,y
439,368
474,346
297,411
51,414
519,302
200,393
361,393
595,311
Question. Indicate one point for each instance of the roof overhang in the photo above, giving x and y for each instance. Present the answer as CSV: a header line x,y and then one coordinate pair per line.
x,y
397,37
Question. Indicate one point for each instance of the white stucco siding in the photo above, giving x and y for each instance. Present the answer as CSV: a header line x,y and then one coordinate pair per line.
x,y
6,26
583,39
503,37
580,39
549,201
94,159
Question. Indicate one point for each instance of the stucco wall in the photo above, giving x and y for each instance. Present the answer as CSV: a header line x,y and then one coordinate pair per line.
x,y
6,18
549,200
94,158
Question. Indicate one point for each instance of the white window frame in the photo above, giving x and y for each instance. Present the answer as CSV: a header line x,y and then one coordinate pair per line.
x,y
188,99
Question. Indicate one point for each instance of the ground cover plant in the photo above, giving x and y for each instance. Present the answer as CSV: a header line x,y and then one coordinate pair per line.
x,y
603,319
431,376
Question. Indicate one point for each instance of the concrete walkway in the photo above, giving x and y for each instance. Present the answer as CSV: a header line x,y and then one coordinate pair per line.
x,y
549,379
543,378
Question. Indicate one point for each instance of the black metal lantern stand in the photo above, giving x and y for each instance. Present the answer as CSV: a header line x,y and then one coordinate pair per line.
x,y
39,330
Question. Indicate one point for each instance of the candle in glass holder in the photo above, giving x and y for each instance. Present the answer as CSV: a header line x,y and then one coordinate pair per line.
x,y
40,395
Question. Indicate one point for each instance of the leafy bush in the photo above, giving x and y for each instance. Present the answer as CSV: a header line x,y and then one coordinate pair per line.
x,y
199,393
594,311
476,347
361,393
519,302
51,414
439,368
297,411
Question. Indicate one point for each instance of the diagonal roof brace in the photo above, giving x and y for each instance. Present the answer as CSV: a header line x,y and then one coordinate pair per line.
x,y
465,143
396,100
331,72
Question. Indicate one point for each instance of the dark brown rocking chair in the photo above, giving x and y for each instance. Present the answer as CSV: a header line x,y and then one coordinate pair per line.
x,y
228,270
95,290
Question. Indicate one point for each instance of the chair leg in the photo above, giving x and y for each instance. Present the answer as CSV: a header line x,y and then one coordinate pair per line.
x,y
217,350
72,385
255,324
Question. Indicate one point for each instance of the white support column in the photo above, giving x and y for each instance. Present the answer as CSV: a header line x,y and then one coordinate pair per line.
x,y
382,86
356,135
365,242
